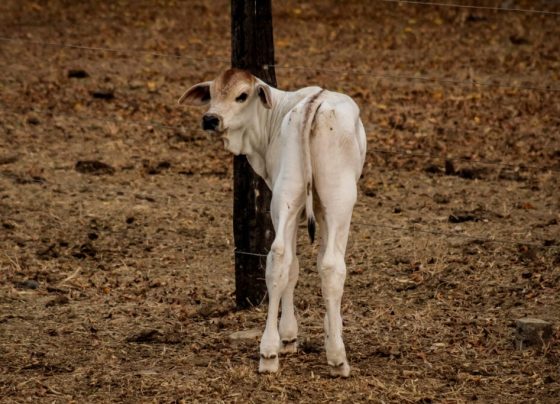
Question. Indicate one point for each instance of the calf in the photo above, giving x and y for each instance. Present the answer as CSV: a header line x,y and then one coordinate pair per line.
x,y
309,146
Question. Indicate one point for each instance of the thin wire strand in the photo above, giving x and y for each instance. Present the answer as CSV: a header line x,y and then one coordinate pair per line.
x,y
466,6
406,153
377,225
463,83
359,72
113,50
147,124
249,253
414,228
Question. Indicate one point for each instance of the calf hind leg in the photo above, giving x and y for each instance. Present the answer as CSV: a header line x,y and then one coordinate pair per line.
x,y
332,270
333,275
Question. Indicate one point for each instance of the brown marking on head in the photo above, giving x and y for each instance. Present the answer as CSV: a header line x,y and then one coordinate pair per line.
x,y
232,79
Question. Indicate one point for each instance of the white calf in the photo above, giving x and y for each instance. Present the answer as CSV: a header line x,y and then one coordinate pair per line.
x,y
309,146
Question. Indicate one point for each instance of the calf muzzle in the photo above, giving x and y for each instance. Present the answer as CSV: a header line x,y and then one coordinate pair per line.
x,y
211,122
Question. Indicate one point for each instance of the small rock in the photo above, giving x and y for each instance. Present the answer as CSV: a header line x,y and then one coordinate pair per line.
x,y
8,159
402,260
201,361
311,346
548,379
156,168
83,251
155,336
77,74
368,191
8,226
135,84
61,299
151,335
245,335
405,285
441,199
532,331
33,120
475,18
471,173
94,167
518,40
460,218
49,252
432,169
103,94
53,289
28,284
449,167
476,215
510,175
207,310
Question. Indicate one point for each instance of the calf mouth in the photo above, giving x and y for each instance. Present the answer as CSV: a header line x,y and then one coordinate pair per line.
x,y
216,131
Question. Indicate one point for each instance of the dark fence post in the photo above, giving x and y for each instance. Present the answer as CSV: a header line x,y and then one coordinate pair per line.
x,y
252,49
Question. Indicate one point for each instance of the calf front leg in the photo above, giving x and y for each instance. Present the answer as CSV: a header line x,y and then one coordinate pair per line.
x,y
278,265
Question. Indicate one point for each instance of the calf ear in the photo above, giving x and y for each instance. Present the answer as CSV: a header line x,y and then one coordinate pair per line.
x,y
265,96
198,94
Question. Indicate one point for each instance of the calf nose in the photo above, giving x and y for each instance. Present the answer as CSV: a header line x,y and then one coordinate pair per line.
x,y
210,122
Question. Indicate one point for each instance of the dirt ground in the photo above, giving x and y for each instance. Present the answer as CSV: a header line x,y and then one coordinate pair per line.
x,y
116,247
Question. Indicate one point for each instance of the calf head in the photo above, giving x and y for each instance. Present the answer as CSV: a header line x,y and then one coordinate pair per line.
x,y
235,98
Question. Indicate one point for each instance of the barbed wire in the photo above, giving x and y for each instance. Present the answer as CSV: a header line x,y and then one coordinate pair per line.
x,y
425,79
466,6
112,50
470,83
511,166
180,129
375,225
50,114
414,228
249,253
432,232
356,71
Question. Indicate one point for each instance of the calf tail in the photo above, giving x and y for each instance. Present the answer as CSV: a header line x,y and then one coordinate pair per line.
x,y
309,116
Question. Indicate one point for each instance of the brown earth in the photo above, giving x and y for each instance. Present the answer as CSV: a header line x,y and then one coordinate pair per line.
x,y
116,251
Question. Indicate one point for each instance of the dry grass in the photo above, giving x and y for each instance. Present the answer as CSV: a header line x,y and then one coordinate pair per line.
x,y
120,287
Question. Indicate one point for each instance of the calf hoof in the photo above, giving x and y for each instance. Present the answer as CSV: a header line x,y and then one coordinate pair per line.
x,y
340,369
289,347
269,364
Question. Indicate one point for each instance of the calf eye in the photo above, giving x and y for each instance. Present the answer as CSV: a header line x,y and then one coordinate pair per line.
x,y
242,97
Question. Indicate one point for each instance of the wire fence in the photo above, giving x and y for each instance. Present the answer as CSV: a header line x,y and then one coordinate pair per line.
x,y
413,228
547,87
446,81
149,124
473,7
